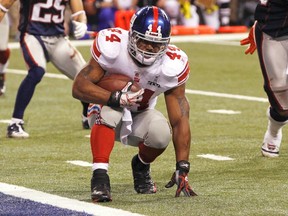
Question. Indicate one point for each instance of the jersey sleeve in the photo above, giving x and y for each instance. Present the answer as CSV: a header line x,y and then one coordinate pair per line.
x,y
184,74
106,46
176,65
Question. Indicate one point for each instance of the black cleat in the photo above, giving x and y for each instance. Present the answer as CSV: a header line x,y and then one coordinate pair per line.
x,y
85,124
100,186
143,183
16,130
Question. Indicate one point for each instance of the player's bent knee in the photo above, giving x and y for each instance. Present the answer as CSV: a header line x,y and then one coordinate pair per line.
x,y
278,115
159,134
36,74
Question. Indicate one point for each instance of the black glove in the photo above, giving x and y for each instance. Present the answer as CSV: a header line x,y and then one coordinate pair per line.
x,y
180,178
125,97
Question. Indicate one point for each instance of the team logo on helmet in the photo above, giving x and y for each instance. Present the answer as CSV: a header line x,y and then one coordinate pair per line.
x,y
154,34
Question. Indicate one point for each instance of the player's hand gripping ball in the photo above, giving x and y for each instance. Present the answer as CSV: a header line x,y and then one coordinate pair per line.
x,y
124,91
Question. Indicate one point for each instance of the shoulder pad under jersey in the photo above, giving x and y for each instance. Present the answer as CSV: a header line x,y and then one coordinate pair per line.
x,y
175,64
108,44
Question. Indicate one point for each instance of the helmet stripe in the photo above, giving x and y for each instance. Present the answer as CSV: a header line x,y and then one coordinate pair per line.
x,y
155,23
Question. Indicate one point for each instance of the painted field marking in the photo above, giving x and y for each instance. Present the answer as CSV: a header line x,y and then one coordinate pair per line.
x,y
215,157
188,91
80,163
62,202
224,95
224,111
24,72
5,121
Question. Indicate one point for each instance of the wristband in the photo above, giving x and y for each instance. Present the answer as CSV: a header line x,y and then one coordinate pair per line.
x,y
183,166
114,99
78,13
4,9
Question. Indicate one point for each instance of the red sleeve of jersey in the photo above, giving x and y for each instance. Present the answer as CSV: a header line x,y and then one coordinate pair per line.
x,y
183,76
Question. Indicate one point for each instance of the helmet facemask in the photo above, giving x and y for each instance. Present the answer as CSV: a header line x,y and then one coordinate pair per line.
x,y
149,35
146,49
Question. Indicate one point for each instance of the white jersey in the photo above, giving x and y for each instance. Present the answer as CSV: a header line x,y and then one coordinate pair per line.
x,y
110,50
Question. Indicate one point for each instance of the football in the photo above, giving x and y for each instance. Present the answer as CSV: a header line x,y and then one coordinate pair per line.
x,y
116,82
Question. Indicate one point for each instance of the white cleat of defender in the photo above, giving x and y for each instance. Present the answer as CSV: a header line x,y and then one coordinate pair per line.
x,y
271,145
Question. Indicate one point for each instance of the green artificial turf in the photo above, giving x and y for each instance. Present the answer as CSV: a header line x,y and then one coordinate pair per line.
x,y
247,185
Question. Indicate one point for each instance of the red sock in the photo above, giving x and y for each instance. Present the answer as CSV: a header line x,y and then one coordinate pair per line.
x,y
102,142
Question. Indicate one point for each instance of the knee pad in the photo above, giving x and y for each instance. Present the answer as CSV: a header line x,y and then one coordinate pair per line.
x,y
159,134
4,56
36,74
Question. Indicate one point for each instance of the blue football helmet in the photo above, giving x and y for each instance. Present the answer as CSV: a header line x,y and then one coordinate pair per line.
x,y
149,34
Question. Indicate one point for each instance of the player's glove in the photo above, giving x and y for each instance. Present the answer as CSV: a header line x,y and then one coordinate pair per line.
x,y
79,29
125,97
250,40
180,178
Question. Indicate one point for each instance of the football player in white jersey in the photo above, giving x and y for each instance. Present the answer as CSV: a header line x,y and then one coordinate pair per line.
x,y
143,53
4,51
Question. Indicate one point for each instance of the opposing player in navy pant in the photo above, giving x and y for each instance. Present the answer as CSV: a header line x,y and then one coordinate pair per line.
x,y
43,40
269,36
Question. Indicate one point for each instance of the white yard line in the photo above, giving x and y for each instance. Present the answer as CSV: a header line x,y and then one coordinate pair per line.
x,y
224,111
62,202
224,95
80,163
24,72
188,91
7,121
215,157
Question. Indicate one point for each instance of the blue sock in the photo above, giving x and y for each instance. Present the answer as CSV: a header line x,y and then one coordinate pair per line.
x,y
26,91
